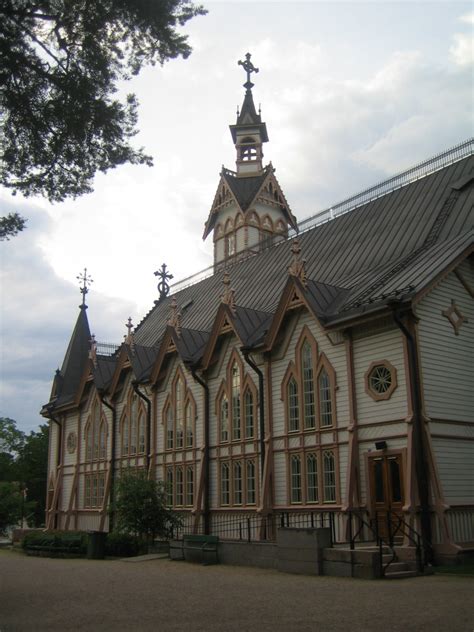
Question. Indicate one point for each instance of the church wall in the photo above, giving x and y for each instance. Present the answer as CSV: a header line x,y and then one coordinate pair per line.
x,y
447,359
455,461
334,436
382,346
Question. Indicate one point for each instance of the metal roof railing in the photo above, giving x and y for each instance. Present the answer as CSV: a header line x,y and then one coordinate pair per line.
x,y
420,170
106,348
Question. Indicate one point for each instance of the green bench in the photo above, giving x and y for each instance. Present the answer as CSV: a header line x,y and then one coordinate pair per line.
x,y
204,544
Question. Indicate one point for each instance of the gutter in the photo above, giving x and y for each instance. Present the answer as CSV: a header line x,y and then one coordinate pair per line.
x,y
207,521
148,423
420,452
112,460
261,407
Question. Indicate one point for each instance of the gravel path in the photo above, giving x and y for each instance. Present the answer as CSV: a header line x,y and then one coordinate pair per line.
x,y
55,594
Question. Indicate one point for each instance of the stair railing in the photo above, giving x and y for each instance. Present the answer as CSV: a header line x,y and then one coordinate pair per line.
x,y
405,529
373,527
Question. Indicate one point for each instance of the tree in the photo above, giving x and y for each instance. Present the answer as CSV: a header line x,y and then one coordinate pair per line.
x,y
10,505
60,64
140,506
24,464
11,225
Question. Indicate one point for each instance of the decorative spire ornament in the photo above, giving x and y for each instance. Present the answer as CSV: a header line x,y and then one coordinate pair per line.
x,y
228,297
93,350
85,280
128,338
163,286
175,317
297,268
249,69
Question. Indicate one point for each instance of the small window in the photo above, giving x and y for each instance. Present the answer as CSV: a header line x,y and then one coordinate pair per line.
x,y
169,487
224,414
329,472
249,420
237,483
189,485
325,401
225,484
179,486
380,380
251,494
189,426
312,478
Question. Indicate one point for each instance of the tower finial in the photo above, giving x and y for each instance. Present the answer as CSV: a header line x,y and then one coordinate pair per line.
x,y
297,267
84,281
228,297
129,337
249,69
175,317
93,350
163,286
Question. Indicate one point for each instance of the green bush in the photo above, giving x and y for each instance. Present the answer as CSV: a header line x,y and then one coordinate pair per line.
x,y
123,545
61,541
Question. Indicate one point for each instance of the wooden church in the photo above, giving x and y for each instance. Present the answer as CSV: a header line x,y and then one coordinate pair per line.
x,y
320,370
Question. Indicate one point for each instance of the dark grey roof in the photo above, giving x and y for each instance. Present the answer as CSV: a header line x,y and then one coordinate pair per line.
x,y
251,325
190,344
142,359
350,252
104,371
245,188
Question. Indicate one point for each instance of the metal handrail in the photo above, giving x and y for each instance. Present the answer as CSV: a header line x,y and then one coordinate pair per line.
x,y
405,529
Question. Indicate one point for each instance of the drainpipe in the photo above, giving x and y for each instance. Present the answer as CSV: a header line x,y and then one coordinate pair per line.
x,y
148,423
420,460
58,455
112,460
199,380
261,408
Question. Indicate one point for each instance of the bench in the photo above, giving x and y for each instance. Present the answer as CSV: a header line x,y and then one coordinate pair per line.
x,y
204,544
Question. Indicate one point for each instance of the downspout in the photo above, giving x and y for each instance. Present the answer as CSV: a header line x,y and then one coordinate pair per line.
x,y
420,463
148,423
58,456
112,460
199,380
261,408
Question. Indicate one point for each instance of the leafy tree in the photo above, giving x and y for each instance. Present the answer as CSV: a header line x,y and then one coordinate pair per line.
x,y
140,506
24,463
10,505
11,225
60,64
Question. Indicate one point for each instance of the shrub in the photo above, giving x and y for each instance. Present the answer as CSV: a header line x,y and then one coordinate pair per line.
x,y
123,545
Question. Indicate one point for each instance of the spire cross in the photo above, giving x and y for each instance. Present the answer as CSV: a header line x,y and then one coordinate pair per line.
x,y
163,285
84,281
249,69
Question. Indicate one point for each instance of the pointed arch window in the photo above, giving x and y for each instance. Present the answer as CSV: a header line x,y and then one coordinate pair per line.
x,y
224,419
325,398
179,415
125,436
308,386
141,434
89,439
102,440
133,427
293,406
95,434
249,414
236,426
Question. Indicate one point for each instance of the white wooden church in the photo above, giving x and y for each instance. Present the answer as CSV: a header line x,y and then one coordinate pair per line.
x,y
320,369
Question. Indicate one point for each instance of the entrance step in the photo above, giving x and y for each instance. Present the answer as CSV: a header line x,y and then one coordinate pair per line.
x,y
399,574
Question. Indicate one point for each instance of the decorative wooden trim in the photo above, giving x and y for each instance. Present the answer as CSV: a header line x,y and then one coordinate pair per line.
x,y
464,282
455,317
393,385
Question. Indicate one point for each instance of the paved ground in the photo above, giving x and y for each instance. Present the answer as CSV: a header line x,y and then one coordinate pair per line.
x,y
161,595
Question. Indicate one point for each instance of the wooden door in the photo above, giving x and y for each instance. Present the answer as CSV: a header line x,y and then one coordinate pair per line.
x,y
386,488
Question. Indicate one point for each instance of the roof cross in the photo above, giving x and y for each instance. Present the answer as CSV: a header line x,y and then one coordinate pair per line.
x,y
84,281
249,69
163,286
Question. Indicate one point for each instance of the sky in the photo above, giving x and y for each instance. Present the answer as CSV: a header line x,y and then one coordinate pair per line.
x,y
351,92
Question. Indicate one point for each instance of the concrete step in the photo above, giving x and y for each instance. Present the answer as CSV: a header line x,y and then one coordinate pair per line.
x,y
399,574
395,567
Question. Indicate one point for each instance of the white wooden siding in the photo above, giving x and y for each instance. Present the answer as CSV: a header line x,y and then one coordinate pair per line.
x,y
446,359
455,460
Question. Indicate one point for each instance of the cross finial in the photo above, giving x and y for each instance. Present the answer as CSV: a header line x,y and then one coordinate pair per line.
x,y
85,280
249,69
297,267
175,317
93,350
163,285
228,297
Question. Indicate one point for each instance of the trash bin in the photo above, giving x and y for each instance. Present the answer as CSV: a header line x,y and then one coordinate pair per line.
x,y
96,545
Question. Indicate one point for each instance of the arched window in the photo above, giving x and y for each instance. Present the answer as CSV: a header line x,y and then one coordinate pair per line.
x,y
308,386
325,399
89,439
293,407
224,419
236,430
141,434
103,440
189,425
125,436
169,428
295,481
249,416
179,414
133,436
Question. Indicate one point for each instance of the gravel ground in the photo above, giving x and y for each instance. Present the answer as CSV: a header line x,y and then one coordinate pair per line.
x,y
55,594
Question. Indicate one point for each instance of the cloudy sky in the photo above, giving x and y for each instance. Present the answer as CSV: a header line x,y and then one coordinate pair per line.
x,y
352,92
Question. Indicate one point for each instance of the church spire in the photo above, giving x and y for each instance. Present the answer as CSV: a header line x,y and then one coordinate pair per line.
x,y
249,133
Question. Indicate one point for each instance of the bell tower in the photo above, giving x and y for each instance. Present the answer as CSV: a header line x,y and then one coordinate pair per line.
x,y
249,211
249,133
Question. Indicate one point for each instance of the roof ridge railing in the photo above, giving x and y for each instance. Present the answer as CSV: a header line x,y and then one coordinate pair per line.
x,y
107,348
424,168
